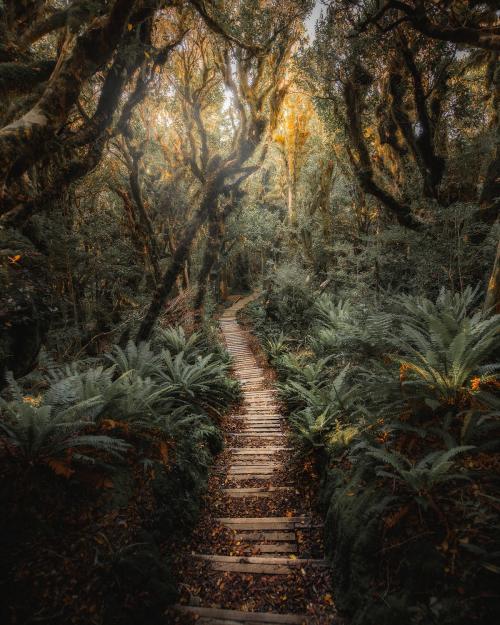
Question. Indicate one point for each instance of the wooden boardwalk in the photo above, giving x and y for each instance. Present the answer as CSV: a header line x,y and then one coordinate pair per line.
x,y
256,457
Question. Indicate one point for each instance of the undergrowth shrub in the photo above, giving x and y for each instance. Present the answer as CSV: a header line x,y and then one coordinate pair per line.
x,y
288,300
140,423
398,405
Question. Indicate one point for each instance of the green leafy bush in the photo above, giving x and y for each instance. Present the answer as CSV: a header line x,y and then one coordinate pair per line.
x,y
42,435
405,439
141,422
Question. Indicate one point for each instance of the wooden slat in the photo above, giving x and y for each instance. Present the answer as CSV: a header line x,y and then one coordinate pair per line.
x,y
264,428
249,465
296,562
262,477
261,523
251,450
274,536
259,519
246,617
250,435
248,569
246,492
253,525
253,459
249,470
274,548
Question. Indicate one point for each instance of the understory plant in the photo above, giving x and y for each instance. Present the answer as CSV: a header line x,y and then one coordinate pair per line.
x,y
138,424
398,405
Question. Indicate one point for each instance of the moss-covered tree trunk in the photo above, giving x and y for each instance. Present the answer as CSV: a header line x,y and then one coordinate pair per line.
x,y
207,205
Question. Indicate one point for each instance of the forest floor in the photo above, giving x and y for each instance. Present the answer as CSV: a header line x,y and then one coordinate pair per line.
x,y
257,555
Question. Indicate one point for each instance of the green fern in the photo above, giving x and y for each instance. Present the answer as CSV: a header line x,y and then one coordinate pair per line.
x,y
139,358
203,384
38,434
175,341
423,476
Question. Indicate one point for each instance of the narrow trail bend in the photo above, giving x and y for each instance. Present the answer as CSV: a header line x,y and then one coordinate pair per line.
x,y
257,554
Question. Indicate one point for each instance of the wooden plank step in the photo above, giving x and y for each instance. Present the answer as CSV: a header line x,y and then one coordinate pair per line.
x,y
257,426
265,412
256,460
274,536
280,434
260,493
252,450
264,495
252,431
257,451
244,492
249,465
296,562
263,519
270,525
263,415
218,621
259,477
245,415
250,373
281,548
260,408
263,419
249,435
264,618
262,565
255,470
258,419
256,456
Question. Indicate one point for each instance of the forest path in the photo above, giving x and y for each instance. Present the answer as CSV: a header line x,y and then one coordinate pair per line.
x,y
257,554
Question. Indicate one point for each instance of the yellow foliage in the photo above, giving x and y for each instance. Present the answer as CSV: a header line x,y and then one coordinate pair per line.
x,y
164,452
475,384
61,467
33,401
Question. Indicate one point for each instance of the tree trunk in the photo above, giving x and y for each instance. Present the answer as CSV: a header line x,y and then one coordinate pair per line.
x,y
355,91
179,257
212,247
144,220
25,140
492,300
292,204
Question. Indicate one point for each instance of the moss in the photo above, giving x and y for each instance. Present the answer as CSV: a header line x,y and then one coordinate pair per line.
x,y
22,77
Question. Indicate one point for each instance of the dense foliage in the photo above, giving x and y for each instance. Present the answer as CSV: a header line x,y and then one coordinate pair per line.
x,y
130,435
396,407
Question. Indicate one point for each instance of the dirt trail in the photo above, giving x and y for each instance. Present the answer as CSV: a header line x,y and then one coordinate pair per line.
x,y
256,556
